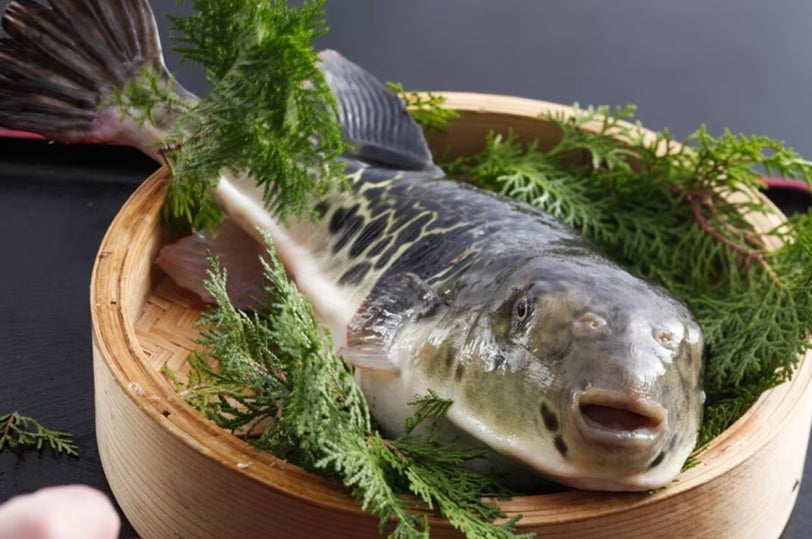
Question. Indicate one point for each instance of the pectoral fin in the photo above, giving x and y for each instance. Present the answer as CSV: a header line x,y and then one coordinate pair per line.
x,y
368,358
393,302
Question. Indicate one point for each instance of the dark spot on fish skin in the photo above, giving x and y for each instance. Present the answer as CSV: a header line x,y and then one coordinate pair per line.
x,y
337,220
404,216
429,255
321,209
561,445
378,206
657,461
549,417
375,195
369,234
379,246
356,274
351,226
499,360
384,259
413,230
448,359
374,176
459,372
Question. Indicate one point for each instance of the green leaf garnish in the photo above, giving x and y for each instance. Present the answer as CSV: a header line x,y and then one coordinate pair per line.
x,y
279,383
270,114
18,431
427,108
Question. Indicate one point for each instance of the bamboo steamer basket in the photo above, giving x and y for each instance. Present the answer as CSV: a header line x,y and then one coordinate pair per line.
x,y
175,474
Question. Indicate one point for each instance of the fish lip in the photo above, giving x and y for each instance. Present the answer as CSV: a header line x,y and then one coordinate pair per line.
x,y
651,415
602,484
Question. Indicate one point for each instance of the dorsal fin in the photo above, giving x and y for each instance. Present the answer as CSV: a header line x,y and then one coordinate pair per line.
x,y
375,121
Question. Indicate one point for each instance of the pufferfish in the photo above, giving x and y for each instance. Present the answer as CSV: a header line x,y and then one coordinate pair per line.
x,y
556,359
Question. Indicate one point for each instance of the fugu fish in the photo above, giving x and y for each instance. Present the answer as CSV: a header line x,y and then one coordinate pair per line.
x,y
555,358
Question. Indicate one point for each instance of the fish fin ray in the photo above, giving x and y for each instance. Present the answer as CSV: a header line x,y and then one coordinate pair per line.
x,y
368,358
393,302
374,120
186,261
63,60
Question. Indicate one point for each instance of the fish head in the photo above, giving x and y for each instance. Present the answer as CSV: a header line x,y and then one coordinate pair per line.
x,y
584,373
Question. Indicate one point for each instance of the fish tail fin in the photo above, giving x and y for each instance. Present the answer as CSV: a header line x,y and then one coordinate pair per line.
x,y
64,62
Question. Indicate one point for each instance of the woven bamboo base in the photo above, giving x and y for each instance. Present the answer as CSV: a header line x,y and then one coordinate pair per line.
x,y
177,475
167,329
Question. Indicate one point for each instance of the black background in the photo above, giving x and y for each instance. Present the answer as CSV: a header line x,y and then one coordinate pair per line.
x,y
740,64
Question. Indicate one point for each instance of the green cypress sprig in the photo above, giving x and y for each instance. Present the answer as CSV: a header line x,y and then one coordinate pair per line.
x,y
270,113
427,108
148,98
18,431
273,373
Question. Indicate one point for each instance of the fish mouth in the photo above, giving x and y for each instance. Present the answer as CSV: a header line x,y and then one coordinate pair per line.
x,y
618,419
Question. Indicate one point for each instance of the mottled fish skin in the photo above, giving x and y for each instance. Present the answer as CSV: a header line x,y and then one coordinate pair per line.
x,y
395,222
555,358
551,353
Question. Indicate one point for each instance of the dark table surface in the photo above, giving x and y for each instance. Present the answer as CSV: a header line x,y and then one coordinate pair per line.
x,y
742,64
55,205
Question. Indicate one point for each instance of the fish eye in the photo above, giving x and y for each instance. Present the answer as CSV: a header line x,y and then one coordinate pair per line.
x,y
523,309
